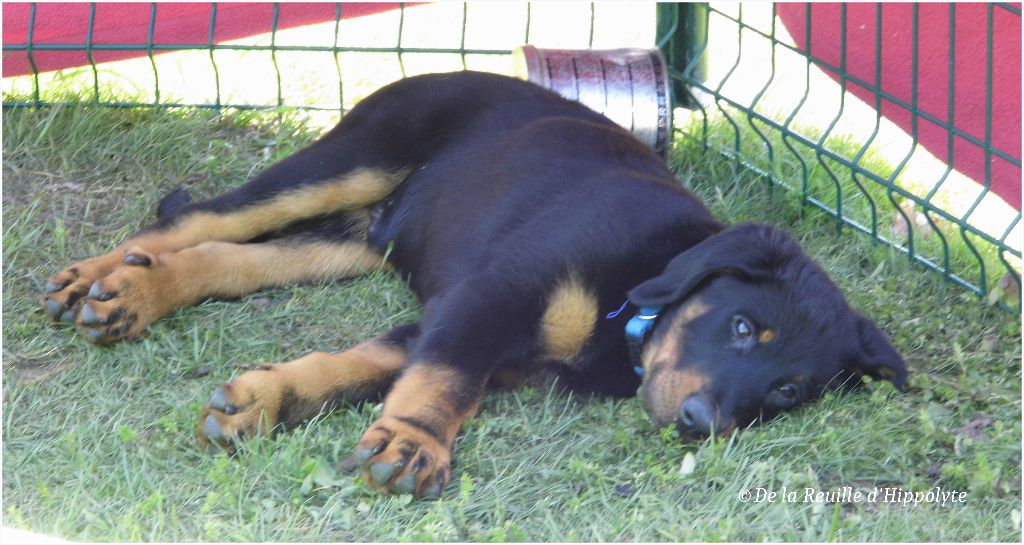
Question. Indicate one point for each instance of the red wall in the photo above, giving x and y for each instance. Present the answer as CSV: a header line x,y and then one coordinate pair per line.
x,y
128,23
933,74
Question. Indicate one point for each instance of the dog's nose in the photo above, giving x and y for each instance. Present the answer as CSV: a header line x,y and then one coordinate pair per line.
x,y
696,416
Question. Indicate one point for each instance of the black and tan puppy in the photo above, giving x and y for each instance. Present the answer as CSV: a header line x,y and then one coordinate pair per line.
x,y
521,220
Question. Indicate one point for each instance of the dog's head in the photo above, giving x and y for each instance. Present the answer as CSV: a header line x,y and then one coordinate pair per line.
x,y
751,327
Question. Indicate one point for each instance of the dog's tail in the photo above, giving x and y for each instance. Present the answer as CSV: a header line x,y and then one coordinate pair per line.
x,y
173,203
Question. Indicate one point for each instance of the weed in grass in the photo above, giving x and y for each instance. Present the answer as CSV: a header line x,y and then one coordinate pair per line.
x,y
99,442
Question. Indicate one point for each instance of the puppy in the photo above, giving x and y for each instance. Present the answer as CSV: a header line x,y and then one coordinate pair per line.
x,y
542,239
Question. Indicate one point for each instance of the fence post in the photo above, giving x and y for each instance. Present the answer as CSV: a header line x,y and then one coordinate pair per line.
x,y
682,36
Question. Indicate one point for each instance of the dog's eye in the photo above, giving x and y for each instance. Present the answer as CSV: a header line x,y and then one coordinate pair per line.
x,y
783,397
788,392
742,329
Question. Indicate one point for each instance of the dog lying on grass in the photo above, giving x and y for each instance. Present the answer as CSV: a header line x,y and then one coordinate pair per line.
x,y
544,242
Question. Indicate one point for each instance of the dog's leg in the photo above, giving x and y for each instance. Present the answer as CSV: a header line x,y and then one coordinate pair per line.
x,y
474,328
287,394
238,216
357,163
123,303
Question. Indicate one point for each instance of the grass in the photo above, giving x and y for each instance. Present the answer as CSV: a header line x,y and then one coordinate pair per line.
x,y
98,443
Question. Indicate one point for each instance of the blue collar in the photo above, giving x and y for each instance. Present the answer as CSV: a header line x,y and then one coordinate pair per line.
x,y
637,330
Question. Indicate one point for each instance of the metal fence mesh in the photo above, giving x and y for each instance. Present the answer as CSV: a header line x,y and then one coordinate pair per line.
x,y
352,53
752,86
752,82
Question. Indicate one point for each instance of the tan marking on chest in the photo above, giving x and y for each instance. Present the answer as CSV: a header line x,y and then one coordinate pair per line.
x,y
569,320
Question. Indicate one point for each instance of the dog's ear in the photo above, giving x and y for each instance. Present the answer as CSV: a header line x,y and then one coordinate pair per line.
x,y
875,356
746,249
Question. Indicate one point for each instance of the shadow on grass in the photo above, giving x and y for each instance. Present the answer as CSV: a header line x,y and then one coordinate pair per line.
x,y
99,442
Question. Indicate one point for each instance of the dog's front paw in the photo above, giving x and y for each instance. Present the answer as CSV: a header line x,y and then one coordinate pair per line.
x,y
123,303
248,405
401,458
66,289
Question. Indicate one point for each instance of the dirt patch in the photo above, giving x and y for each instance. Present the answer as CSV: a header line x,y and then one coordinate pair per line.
x,y
34,370
973,427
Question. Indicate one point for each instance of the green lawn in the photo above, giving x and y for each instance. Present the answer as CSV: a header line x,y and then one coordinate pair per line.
x,y
99,443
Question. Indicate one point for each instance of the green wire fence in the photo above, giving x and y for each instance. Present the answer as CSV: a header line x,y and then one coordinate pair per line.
x,y
829,170
152,49
861,192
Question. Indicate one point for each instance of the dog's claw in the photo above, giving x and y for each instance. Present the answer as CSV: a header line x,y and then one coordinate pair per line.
x,y
88,316
405,485
381,473
211,429
54,309
94,335
51,287
218,401
68,316
362,455
96,292
137,260
432,493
